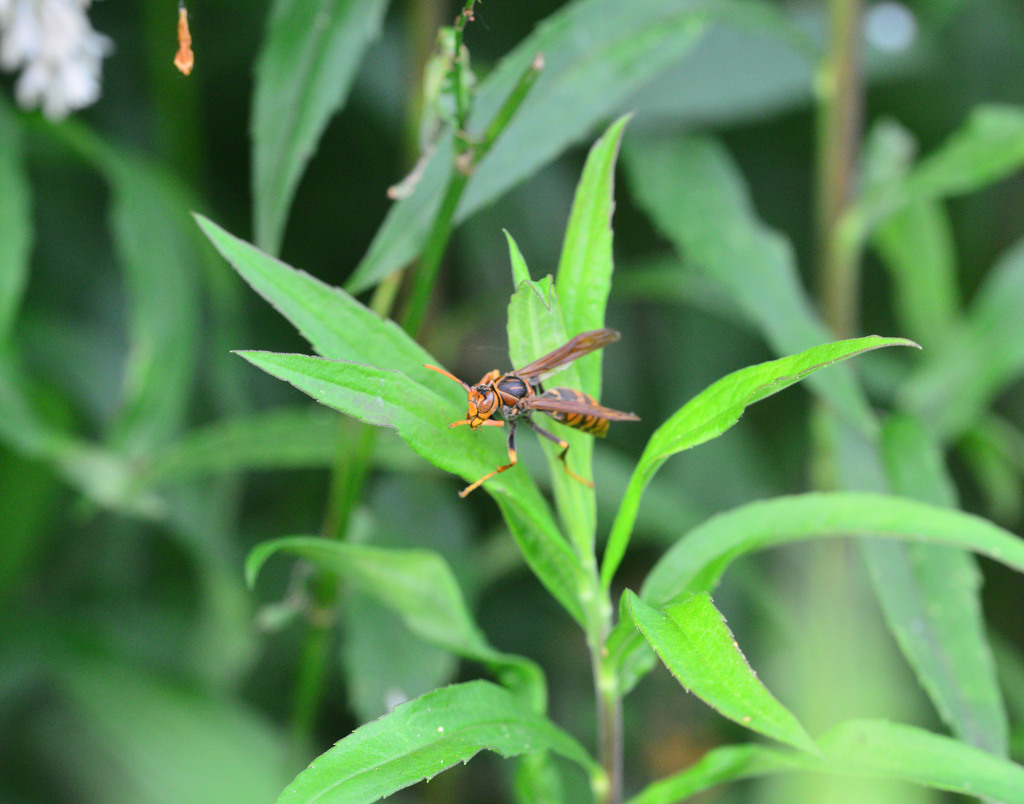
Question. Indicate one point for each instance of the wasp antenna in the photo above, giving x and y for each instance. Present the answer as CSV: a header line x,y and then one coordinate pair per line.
x,y
447,374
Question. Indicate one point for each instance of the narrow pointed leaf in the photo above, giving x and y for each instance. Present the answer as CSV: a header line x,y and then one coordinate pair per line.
x,y
714,411
954,386
584,276
698,648
303,75
418,586
988,147
388,398
421,738
698,560
696,196
335,324
535,327
858,748
298,436
596,53
930,595
896,751
915,242
156,246
520,271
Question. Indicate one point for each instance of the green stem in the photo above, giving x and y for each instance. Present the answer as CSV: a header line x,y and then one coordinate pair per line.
x,y
430,261
352,468
461,109
437,241
829,609
314,663
840,105
609,722
607,692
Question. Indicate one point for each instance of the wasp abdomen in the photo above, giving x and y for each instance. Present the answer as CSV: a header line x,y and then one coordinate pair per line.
x,y
594,425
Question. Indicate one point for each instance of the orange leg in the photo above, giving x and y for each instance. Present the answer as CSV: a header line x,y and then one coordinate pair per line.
x,y
511,458
561,456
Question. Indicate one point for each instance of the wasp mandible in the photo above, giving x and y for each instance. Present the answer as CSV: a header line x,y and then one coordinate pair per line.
x,y
516,394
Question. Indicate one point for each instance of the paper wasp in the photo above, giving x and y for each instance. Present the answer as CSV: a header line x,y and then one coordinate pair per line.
x,y
518,393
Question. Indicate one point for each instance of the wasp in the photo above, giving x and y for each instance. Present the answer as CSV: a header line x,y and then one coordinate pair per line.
x,y
516,394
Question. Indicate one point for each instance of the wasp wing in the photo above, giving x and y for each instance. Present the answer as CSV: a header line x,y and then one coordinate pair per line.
x,y
582,344
577,403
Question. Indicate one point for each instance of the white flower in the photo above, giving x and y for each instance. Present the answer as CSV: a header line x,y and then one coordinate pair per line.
x,y
57,50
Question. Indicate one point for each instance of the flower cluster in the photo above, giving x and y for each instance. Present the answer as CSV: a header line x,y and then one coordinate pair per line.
x,y
56,49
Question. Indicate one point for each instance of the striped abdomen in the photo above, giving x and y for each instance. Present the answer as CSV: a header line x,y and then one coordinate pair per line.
x,y
589,422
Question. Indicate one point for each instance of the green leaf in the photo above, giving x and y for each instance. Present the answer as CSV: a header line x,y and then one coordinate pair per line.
x,y
103,476
698,648
953,387
728,763
286,437
989,147
303,75
269,439
170,744
338,326
915,242
697,561
389,398
520,271
858,748
421,738
759,67
333,322
916,245
420,587
538,779
155,243
596,53
159,254
930,596
896,751
585,267
536,327
715,410
993,451
15,220
665,279
696,197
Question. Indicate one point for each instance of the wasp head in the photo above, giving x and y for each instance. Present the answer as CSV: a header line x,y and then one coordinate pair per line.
x,y
483,402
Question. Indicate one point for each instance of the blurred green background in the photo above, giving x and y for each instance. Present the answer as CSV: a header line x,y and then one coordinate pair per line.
x,y
140,460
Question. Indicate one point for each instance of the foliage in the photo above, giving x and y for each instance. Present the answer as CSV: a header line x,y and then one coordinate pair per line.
x,y
161,496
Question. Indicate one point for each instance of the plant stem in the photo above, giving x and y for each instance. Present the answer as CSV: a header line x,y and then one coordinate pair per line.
x,y
433,253
607,694
840,109
313,666
609,721
351,468
437,241
348,478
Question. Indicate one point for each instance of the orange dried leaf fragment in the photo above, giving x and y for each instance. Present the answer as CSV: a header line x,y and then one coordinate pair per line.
x,y
184,59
